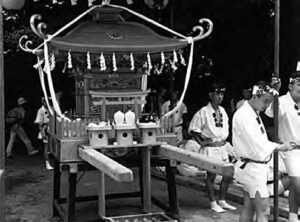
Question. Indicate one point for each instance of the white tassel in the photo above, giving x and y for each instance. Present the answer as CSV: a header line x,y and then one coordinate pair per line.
x,y
132,62
182,60
88,60
114,62
175,58
70,66
102,62
149,61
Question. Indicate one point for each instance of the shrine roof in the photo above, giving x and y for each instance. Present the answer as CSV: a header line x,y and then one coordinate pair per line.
x,y
115,36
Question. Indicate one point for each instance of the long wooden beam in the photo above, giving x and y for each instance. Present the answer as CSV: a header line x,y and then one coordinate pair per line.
x,y
106,165
196,159
2,122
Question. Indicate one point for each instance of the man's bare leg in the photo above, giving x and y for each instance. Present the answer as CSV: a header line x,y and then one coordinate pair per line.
x,y
248,210
262,208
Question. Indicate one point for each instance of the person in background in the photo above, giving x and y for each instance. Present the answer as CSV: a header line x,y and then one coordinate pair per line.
x,y
246,95
254,152
161,98
42,120
209,129
179,116
18,116
289,130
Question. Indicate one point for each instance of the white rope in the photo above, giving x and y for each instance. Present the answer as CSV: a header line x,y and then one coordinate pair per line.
x,y
38,66
186,83
50,82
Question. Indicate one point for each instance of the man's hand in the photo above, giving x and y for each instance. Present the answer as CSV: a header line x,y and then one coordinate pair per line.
x,y
276,83
286,146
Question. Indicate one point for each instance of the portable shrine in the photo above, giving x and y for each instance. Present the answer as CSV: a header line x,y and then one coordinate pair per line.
x,y
111,59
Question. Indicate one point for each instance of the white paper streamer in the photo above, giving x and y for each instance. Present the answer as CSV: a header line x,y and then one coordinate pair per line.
x,y
70,66
182,60
173,65
115,68
149,62
52,62
132,62
88,60
163,58
175,58
102,62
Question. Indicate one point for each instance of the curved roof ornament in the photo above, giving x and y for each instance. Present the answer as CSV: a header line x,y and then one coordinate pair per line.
x,y
202,33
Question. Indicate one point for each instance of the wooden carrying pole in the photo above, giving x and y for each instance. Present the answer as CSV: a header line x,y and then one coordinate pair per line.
x,y
2,126
196,159
276,104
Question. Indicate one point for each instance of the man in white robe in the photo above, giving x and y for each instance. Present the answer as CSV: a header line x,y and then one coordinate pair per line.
x,y
209,129
289,130
254,150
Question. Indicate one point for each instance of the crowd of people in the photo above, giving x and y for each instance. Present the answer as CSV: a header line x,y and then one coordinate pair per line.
x,y
249,149
14,121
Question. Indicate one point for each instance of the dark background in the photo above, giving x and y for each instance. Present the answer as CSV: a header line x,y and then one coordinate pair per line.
x,y
239,51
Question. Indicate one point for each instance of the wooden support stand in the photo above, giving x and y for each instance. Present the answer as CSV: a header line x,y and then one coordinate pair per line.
x,y
144,165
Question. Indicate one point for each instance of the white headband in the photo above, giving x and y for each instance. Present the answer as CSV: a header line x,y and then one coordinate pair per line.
x,y
293,80
259,91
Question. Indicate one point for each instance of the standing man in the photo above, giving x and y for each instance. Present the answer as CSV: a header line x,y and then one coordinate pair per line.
x,y
289,130
246,95
178,116
254,150
209,129
42,119
18,116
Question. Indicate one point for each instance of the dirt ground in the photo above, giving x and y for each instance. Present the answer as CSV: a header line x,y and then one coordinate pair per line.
x,y
29,195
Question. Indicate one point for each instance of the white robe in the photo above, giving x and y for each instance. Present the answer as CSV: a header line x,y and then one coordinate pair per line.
x,y
203,122
289,131
250,141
